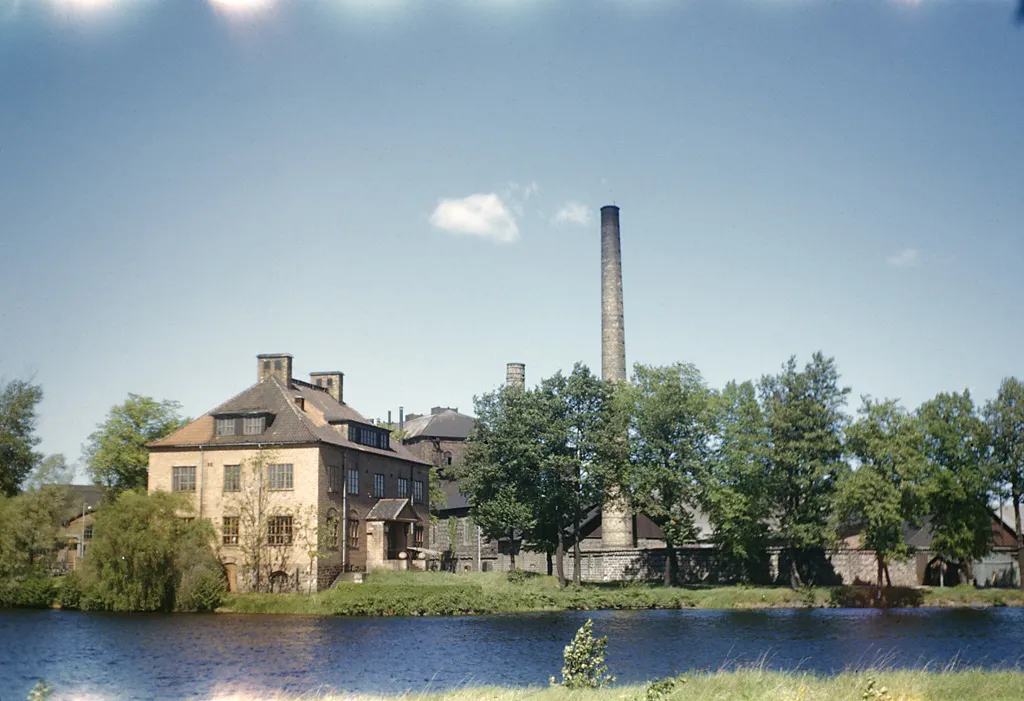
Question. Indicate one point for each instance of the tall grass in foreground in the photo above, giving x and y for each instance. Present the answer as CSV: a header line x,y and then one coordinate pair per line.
x,y
757,685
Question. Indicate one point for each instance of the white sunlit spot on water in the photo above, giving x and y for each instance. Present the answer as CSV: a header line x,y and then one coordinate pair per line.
x,y
242,7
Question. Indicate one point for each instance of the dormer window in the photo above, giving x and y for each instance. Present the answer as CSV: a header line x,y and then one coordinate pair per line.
x,y
225,427
370,436
254,425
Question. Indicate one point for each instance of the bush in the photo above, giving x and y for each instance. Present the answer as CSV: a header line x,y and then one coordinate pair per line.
x,y
201,589
584,666
70,594
35,589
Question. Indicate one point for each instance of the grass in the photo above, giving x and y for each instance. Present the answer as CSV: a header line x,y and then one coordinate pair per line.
x,y
446,594
760,685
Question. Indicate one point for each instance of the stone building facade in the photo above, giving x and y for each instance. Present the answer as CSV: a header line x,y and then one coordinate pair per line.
x,y
288,470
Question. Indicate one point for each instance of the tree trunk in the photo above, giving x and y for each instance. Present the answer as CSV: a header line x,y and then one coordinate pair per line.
x,y
551,569
794,573
888,579
576,559
512,550
878,583
671,564
560,560
1020,540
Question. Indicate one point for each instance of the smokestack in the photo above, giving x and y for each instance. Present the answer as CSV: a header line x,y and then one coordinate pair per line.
x,y
389,418
616,523
515,375
613,333
401,418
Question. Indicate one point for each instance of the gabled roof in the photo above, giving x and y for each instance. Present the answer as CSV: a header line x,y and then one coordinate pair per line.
x,y
445,424
319,421
392,510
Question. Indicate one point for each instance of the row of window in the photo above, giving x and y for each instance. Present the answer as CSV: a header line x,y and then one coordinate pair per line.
x,y
282,477
279,477
279,532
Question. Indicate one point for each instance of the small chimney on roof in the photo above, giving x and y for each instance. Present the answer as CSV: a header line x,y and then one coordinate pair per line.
x,y
332,381
515,375
277,364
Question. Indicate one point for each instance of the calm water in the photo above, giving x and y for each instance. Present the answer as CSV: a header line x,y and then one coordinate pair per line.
x,y
194,656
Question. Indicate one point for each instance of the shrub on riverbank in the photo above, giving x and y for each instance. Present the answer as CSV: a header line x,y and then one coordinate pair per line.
x,y
144,557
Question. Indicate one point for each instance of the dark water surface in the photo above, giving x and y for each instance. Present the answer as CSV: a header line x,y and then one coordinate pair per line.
x,y
145,656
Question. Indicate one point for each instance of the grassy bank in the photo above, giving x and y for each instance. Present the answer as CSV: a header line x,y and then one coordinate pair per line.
x,y
444,594
766,686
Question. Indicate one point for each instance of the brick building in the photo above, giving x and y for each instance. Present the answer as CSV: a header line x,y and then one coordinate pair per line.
x,y
292,461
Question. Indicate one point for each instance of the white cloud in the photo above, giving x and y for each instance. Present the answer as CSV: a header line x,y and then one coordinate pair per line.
x,y
907,258
572,213
516,196
483,215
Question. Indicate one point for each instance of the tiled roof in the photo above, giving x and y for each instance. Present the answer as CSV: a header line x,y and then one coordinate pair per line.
x,y
290,424
446,424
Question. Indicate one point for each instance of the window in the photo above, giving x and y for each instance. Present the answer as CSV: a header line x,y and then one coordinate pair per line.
x,y
88,533
225,427
254,425
447,458
378,485
229,528
185,520
353,534
277,365
183,479
279,476
353,482
334,479
403,488
279,530
266,366
417,535
232,478
417,491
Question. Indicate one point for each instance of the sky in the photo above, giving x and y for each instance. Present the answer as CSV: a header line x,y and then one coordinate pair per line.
x,y
409,192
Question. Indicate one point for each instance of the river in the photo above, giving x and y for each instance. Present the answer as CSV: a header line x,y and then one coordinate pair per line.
x,y
150,656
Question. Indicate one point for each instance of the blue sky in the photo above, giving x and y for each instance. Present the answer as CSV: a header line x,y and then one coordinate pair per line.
x,y
408,192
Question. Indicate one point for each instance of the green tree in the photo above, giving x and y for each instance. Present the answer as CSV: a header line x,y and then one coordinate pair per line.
x,y
143,549
18,402
53,470
960,485
29,523
1005,418
116,454
735,496
501,470
804,418
574,424
673,420
885,490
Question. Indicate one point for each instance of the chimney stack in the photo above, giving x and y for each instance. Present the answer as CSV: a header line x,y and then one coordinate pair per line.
x,y
616,522
515,375
401,418
332,381
277,364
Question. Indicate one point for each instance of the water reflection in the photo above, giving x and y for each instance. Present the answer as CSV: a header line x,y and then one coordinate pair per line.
x,y
170,657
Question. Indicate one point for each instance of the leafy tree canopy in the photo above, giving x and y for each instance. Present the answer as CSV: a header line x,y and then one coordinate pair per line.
x,y
18,402
116,454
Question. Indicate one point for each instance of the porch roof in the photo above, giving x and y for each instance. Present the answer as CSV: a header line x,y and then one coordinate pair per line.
x,y
392,510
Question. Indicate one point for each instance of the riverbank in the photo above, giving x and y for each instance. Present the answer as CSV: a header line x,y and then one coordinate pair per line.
x,y
755,685
446,594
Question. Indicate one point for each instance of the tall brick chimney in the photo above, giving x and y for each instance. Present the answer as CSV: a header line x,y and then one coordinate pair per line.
x,y
616,522
332,381
277,364
515,375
